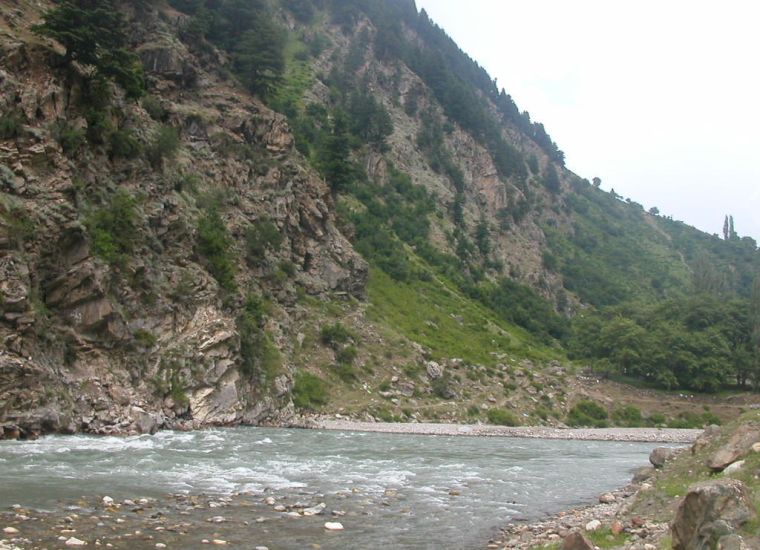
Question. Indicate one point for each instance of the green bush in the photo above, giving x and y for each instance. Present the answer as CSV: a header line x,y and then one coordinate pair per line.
x,y
334,335
163,146
124,144
69,138
309,391
502,417
214,245
346,355
628,416
154,108
587,413
11,125
260,237
144,338
113,228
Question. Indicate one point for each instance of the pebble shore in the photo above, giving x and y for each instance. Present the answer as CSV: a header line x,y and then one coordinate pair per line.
x,y
652,435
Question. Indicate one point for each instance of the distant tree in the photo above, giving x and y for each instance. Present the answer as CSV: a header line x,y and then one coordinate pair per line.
x,y
754,319
551,179
333,155
596,181
725,228
93,34
731,233
259,58
654,211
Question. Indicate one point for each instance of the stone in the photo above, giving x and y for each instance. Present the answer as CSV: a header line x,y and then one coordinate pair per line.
x,y
333,526
607,498
756,447
616,527
10,531
73,541
710,510
659,456
593,525
218,542
269,501
160,545
734,467
708,435
575,540
737,446
107,501
314,510
279,508
642,474
434,370
731,542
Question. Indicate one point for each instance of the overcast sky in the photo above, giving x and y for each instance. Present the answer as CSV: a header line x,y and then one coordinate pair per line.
x,y
660,99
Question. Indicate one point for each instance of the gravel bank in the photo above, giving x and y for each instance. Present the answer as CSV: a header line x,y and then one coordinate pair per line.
x,y
661,435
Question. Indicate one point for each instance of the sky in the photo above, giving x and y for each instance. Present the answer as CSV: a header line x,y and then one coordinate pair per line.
x,y
659,99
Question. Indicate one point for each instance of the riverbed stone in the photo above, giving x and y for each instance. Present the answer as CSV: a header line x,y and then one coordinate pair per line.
x,y
607,498
593,525
73,541
333,526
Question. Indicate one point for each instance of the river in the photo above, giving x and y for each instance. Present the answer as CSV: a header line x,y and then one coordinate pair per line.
x,y
388,490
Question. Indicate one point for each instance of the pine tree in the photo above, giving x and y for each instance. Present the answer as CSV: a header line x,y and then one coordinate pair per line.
x,y
725,228
731,233
754,320
93,34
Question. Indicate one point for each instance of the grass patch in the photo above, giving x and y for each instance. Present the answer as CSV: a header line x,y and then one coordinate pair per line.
x,y
309,391
603,538
502,417
441,319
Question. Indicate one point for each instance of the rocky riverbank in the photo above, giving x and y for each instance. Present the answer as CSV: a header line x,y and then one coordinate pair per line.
x,y
661,435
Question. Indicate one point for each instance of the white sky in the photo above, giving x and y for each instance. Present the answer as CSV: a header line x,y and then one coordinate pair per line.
x,y
660,99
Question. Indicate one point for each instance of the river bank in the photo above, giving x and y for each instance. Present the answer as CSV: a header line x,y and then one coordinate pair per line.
x,y
647,435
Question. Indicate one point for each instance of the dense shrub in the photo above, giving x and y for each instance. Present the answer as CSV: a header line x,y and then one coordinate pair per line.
x,y
260,237
124,144
309,391
69,137
113,228
587,413
334,335
502,417
164,145
628,416
214,245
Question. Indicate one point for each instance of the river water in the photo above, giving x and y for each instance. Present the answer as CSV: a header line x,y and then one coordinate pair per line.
x,y
390,490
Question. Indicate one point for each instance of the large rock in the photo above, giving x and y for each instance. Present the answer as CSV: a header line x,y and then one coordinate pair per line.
x,y
659,456
737,446
710,510
576,541
434,370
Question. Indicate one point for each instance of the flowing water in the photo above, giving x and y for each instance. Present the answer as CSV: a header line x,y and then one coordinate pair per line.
x,y
390,490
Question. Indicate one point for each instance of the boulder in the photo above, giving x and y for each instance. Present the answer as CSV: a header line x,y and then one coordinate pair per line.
x,y
659,456
732,542
576,541
736,447
434,370
607,498
642,474
710,510
705,438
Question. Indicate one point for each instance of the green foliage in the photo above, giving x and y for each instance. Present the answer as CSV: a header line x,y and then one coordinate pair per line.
x,y
124,144
702,343
370,121
93,33
587,413
551,179
260,358
214,245
155,108
692,420
334,335
113,229
628,416
309,391
346,355
11,124
502,417
260,237
69,137
144,338
163,146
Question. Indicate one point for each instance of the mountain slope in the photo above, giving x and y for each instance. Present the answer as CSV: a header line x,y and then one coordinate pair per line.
x,y
324,204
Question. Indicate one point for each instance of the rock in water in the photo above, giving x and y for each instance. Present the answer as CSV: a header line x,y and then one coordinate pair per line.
x,y
607,498
710,510
314,510
10,531
333,526
659,456
576,541
73,541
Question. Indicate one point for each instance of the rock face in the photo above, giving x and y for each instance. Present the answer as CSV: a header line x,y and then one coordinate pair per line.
x,y
735,448
710,510
150,340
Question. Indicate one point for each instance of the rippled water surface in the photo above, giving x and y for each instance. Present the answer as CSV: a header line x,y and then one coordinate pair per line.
x,y
398,491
